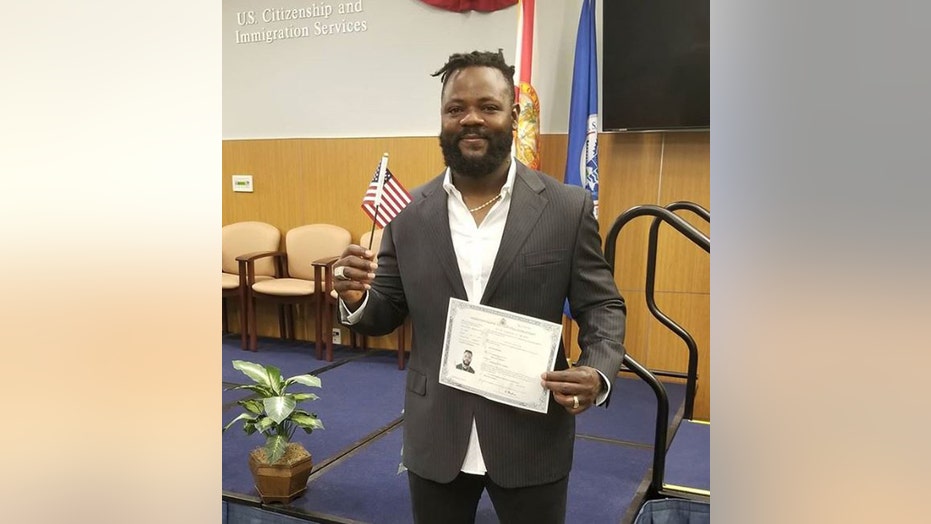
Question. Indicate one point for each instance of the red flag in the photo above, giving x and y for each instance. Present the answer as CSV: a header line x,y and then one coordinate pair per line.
x,y
526,142
393,197
466,5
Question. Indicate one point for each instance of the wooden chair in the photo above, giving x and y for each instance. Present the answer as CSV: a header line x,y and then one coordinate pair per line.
x,y
244,238
295,284
331,302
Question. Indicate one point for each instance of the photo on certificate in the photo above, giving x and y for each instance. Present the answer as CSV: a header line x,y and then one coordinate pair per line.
x,y
466,364
498,354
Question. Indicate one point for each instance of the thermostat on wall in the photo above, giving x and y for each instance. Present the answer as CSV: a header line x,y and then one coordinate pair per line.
x,y
242,183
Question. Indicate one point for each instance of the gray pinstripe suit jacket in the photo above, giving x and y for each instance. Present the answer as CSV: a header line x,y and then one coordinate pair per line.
x,y
550,250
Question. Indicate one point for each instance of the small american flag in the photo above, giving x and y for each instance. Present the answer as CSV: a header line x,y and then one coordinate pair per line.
x,y
393,199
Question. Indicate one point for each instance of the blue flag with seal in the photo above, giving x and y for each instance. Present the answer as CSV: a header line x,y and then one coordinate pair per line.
x,y
582,154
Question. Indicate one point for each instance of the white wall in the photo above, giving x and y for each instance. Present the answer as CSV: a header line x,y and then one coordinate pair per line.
x,y
377,82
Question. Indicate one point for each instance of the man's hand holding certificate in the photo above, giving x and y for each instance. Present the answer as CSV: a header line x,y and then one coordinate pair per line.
x,y
498,354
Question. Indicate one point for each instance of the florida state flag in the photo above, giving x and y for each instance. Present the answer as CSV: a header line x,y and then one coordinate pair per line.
x,y
526,142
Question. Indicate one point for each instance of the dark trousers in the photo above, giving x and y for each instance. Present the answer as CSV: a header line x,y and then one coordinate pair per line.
x,y
457,502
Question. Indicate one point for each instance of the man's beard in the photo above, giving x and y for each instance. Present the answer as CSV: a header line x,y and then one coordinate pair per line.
x,y
499,148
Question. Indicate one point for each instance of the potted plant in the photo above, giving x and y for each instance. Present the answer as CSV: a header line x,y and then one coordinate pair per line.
x,y
280,467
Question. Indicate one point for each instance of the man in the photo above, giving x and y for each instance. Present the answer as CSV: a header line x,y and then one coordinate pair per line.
x,y
466,361
490,230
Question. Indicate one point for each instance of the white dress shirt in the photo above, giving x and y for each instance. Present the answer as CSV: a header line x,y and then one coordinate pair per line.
x,y
476,247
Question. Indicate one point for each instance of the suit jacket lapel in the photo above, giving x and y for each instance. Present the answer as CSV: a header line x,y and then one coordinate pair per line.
x,y
527,204
437,235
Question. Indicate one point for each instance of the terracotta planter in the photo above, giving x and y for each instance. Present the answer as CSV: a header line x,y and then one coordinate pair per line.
x,y
280,482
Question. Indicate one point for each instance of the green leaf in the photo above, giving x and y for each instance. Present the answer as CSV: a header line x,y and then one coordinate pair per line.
x,y
263,391
254,371
300,397
307,421
253,405
307,380
274,379
243,416
264,423
274,448
279,408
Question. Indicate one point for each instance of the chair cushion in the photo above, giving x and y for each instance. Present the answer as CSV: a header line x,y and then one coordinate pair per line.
x,y
286,287
232,281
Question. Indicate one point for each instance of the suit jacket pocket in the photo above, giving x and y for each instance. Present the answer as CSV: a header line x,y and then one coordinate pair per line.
x,y
544,258
416,382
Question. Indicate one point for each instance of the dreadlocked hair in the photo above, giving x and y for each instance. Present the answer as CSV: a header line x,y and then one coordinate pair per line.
x,y
459,61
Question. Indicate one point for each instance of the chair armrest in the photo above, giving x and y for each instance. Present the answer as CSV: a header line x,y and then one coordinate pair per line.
x,y
247,265
325,262
323,281
252,257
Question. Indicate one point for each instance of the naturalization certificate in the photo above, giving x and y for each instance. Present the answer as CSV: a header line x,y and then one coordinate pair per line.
x,y
498,354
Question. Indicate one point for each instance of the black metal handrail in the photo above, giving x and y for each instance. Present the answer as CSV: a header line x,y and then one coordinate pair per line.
x,y
661,212
662,407
691,383
662,419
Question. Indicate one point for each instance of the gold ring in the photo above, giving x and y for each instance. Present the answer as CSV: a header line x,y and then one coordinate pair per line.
x,y
575,402
339,273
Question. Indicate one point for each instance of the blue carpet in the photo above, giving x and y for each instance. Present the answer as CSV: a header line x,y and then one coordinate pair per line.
x,y
356,399
604,479
688,461
292,357
365,485
631,415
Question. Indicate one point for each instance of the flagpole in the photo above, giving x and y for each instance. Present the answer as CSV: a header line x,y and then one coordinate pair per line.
x,y
372,232
379,189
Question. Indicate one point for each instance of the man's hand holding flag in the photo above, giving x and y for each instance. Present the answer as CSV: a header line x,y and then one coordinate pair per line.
x,y
383,201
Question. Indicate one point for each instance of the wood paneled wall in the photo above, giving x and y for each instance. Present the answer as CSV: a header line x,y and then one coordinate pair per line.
x,y
303,181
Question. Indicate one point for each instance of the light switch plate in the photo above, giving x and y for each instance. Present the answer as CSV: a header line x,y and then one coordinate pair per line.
x,y
242,183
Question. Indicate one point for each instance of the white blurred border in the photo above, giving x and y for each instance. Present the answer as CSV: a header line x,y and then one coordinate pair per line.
x,y
111,214
819,265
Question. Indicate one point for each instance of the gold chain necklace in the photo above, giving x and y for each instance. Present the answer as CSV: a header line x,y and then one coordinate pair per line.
x,y
486,204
